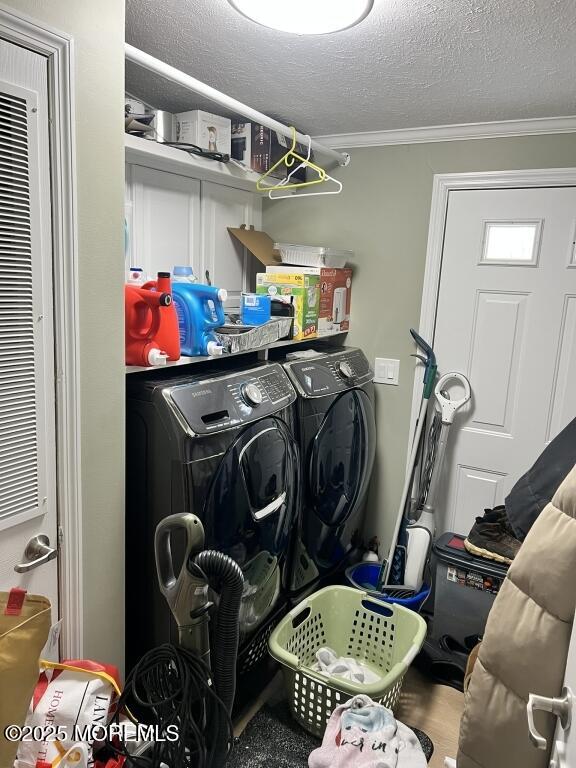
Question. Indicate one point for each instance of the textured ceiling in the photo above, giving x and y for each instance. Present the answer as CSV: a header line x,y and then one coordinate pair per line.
x,y
410,63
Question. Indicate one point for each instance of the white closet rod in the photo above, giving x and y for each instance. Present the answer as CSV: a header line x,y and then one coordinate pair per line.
x,y
192,84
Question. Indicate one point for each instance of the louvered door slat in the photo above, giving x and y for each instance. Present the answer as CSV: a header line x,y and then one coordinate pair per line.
x,y
18,395
15,468
14,171
19,480
19,502
17,426
15,477
14,243
21,441
13,184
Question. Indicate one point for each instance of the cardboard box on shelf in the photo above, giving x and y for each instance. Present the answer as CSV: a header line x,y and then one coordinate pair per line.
x,y
305,292
207,131
259,148
335,295
258,243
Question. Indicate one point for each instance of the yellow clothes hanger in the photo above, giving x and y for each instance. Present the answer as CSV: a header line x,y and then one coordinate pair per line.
x,y
278,194
288,161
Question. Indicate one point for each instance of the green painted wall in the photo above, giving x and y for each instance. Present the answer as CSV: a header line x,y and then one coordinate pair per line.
x,y
98,33
383,214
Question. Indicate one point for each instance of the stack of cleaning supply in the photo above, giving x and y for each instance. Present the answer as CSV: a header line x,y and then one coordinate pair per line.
x,y
151,324
200,311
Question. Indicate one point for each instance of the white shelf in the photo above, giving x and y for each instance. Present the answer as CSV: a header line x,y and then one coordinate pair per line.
x,y
205,359
151,154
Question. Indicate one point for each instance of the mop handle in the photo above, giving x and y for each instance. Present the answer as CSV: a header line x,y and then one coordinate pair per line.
x,y
429,360
430,369
448,410
449,407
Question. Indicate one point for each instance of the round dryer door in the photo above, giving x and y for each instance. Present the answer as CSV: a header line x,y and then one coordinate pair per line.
x,y
250,509
342,457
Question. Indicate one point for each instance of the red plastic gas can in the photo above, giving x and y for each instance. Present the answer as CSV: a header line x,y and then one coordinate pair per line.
x,y
151,323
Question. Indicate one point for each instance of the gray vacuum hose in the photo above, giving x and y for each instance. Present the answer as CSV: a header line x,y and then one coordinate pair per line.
x,y
225,577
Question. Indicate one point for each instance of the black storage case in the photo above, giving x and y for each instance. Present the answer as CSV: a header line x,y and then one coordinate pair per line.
x,y
464,588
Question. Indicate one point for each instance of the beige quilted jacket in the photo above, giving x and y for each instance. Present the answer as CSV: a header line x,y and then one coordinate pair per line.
x,y
525,644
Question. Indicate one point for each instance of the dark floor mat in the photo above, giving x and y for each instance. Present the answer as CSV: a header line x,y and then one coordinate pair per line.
x,y
273,739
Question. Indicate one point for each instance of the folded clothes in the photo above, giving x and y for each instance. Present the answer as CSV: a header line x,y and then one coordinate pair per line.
x,y
343,666
364,734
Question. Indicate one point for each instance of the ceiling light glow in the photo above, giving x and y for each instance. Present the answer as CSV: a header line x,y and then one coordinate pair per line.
x,y
305,17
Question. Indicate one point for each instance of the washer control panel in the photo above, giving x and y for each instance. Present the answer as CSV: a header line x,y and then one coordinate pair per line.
x,y
212,405
330,373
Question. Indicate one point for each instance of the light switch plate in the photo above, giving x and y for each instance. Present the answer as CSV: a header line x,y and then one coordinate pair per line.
x,y
386,371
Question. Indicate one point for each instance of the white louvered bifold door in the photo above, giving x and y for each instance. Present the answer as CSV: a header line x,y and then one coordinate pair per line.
x,y
19,481
27,435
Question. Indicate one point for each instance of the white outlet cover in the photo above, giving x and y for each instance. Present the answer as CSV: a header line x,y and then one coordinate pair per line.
x,y
386,371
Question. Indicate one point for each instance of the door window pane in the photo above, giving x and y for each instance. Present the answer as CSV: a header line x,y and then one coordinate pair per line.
x,y
511,242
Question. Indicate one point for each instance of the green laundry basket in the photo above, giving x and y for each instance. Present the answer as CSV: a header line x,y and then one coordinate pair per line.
x,y
385,637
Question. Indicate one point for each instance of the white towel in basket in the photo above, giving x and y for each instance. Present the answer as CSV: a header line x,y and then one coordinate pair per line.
x,y
343,666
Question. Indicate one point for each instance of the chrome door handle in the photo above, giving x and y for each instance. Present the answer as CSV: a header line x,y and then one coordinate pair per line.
x,y
561,708
38,551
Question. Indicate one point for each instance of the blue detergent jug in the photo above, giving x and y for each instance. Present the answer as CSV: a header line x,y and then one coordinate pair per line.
x,y
200,311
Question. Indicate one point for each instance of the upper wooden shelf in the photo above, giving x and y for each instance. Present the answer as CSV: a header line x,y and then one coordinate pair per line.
x,y
151,154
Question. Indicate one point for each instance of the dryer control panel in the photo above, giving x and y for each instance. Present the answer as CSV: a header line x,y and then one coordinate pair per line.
x,y
213,405
330,373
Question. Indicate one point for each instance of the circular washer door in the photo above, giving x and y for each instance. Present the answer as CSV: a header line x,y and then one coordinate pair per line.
x,y
342,457
250,509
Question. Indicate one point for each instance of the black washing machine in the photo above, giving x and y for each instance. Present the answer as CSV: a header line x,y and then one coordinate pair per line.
x,y
221,446
337,436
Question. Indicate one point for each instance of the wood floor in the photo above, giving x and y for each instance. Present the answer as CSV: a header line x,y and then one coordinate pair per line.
x,y
434,709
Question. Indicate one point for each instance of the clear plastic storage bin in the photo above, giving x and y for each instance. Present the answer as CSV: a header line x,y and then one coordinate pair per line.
x,y
312,255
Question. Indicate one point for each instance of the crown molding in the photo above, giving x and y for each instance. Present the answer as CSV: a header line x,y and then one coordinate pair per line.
x,y
464,131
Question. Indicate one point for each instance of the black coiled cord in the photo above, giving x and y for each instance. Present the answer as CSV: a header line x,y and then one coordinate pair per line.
x,y
172,686
193,149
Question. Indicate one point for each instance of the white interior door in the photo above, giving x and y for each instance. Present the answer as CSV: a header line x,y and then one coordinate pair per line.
x,y
27,391
506,317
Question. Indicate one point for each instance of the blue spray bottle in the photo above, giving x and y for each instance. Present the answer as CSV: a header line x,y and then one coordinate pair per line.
x,y
200,311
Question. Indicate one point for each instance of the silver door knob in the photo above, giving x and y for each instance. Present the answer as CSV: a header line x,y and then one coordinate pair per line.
x,y
561,708
38,551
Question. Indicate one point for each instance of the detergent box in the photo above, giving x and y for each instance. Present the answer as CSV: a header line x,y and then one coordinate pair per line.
x,y
305,292
335,295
